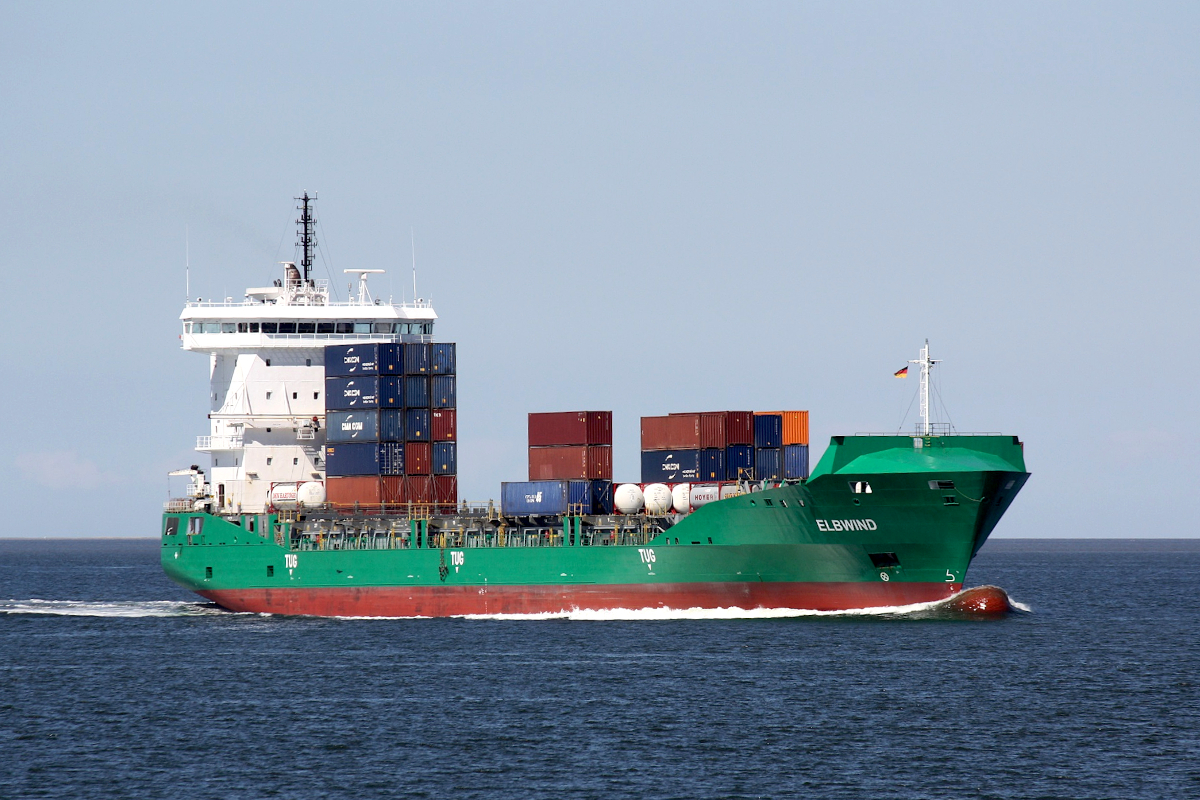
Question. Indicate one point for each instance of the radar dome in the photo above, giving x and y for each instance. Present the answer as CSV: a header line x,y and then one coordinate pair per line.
x,y
628,498
658,498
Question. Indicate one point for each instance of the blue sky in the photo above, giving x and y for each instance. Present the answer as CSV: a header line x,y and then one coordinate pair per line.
x,y
637,207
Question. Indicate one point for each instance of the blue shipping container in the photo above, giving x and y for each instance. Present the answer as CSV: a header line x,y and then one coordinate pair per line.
x,y
445,458
442,388
416,425
391,359
768,431
416,358
739,462
543,497
352,426
602,497
348,360
712,464
391,425
441,358
347,394
391,391
416,391
364,458
768,464
795,461
670,466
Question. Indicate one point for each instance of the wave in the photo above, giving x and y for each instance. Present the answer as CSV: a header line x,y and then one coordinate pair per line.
x,y
115,608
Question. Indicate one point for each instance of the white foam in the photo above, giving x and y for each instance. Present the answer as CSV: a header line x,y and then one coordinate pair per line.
x,y
117,608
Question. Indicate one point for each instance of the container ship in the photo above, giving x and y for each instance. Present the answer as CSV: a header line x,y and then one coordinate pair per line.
x,y
333,488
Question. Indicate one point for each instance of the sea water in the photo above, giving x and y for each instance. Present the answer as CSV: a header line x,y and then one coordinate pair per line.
x,y
116,683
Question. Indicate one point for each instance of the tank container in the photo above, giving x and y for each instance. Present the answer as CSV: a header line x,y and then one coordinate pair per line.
x,y
703,494
445,458
352,426
739,462
670,466
795,461
349,360
544,497
416,358
581,462
563,428
442,391
416,391
768,430
672,432
443,424
768,464
442,356
416,424
347,394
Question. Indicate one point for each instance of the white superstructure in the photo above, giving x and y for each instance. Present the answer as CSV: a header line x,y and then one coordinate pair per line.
x,y
267,373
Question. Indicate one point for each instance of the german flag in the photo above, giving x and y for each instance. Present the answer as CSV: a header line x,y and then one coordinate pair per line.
x,y
901,373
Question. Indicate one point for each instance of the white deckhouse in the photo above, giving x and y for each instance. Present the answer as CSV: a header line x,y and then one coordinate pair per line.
x,y
267,384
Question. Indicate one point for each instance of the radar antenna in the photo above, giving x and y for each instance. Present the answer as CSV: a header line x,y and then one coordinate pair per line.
x,y
307,232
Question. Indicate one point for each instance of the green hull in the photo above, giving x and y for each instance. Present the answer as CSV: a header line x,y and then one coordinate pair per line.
x,y
879,523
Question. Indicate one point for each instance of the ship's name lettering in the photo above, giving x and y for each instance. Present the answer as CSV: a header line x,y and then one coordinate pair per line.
x,y
829,525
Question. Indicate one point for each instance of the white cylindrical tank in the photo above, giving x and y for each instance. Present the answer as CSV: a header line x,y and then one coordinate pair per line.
x,y
628,498
658,498
283,496
730,490
680,499
703,495
311,494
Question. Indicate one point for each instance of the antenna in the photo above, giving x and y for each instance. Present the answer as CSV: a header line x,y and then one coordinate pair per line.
x,y
413,239
926,363
187,263
308,234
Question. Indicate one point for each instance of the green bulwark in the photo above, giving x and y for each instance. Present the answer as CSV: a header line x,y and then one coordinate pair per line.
x,y
881,517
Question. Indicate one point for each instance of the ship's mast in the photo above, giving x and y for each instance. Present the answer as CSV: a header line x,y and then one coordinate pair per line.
x,y
308,234
926,363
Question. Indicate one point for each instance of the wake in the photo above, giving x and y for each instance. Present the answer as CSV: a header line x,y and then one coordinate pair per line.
x,y
116,608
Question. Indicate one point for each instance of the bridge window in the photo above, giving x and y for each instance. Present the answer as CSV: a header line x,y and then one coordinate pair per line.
x,y
345,327
362,327
270,327
287,327
383,327
325,327
228,327
254,327
306,327
212,327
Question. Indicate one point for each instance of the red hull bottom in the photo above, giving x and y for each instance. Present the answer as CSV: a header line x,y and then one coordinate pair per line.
x,y
448,601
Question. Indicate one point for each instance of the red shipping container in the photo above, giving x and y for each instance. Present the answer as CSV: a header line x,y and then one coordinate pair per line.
x,y
419,489
563,428
445,493
570,463
672,432
443,424
395,492
360,490
418,458
738,427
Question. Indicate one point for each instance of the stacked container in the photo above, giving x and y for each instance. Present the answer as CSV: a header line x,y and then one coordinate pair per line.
x,y
682,447
391,423
573,446
691,447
